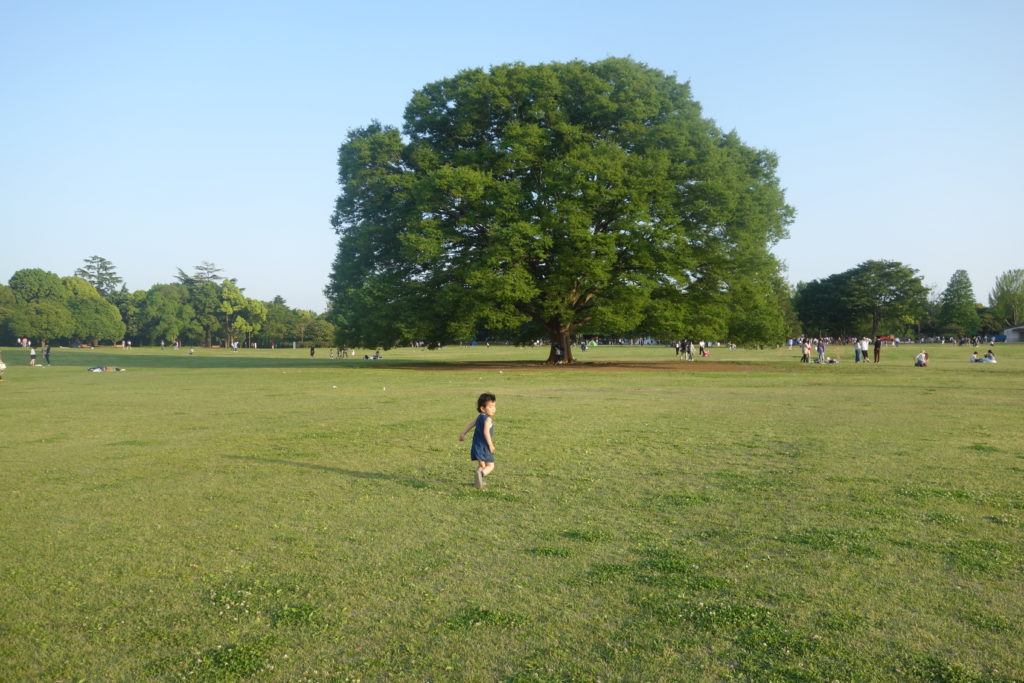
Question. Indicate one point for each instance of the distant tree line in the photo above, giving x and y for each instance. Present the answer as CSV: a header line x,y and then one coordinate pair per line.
x,y
204,308
93,306
888,297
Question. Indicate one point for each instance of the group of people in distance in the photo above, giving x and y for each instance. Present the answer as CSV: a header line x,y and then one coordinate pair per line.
x,y
813,345
809,346
685,348
861,346
921,359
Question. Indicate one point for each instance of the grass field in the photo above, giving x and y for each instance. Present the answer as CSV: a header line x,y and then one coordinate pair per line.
x,y
267,515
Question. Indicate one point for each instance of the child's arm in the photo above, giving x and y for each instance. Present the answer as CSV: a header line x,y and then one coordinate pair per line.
x,y
462,436
487,433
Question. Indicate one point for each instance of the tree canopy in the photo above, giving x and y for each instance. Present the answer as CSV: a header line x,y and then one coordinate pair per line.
x,y
93,317
1007,297
101,274
958,311
36,284
198,309
861,299
550,200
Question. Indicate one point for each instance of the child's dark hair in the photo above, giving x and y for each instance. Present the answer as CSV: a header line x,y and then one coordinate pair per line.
x,y
484,400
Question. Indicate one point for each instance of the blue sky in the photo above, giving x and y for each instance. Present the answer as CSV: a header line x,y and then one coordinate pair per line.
x,y
160,135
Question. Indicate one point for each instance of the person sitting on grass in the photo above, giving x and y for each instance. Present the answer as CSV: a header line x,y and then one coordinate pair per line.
x,y
482,450
921,360
974,357
989,357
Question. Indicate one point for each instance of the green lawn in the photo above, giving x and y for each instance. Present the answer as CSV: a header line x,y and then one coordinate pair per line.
x,y
268,515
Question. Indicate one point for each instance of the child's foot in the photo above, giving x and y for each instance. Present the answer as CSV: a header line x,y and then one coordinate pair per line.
x,y
478,479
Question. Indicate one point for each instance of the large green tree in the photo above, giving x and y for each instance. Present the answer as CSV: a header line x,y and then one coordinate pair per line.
x,y
1007,297
759,311
165,314
40,309
94,318
321,332
885,291
957,309
8,306
552,199
128,304
101,274
205,297
819,306
862,299
42,321
280,324
242,317
205,300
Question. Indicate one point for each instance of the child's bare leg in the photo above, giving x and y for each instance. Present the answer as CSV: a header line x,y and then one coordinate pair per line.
x,y
486,467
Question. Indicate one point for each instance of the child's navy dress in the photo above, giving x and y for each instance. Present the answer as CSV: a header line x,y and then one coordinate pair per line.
x,y
479,450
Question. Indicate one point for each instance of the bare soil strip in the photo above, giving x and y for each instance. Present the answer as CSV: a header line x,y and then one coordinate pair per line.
x,y
585,366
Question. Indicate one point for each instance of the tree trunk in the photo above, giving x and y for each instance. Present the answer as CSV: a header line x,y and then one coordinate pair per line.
x,y
560,338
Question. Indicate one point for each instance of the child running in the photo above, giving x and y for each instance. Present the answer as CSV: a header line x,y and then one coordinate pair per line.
x,y
482,450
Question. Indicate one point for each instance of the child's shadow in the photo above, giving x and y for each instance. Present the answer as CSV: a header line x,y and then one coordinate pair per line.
x,y
411,482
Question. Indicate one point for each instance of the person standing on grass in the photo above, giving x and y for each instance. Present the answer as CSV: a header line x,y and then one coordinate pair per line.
x,y
482,449
878,349
862,344
31,355
46,355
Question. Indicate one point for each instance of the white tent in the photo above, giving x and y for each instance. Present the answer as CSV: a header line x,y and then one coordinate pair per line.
x,y
1014,334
